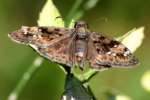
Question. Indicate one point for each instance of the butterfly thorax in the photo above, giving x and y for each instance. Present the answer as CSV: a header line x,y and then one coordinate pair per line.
x,y
80,41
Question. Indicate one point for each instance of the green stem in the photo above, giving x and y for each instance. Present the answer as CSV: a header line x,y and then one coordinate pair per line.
x,y
73,12
25,79
87,75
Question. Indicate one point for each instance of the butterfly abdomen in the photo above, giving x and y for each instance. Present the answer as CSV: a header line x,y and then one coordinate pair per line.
x,y
80,51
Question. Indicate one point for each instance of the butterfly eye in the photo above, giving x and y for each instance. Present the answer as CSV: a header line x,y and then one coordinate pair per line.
x,y
77,25
80,24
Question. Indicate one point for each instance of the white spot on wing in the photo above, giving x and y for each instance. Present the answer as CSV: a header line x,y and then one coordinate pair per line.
x,y
115,46
113,54
24,29
126,53
109,52
34,36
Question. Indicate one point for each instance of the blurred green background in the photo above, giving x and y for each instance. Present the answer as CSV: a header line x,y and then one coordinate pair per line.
x,y
114,17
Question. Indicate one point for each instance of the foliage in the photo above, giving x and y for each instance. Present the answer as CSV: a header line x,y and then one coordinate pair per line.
x,y
48,17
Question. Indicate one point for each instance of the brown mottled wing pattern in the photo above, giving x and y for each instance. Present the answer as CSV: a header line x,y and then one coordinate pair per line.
x,y
105,52
75,46
50,42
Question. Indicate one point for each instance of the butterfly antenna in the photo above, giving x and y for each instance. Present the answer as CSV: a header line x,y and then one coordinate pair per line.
x,y
59,17
102,19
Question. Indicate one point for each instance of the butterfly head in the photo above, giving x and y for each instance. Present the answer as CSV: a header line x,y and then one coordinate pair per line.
x,y
81,24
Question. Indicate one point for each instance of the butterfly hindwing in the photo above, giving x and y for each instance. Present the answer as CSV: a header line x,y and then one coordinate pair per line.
x,y
57,52
107,52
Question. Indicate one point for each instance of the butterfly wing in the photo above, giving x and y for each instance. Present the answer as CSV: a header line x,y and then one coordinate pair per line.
x,y
50,42
105,52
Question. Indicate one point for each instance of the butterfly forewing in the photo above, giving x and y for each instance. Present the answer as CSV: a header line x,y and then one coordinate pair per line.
x,y
107,52
50,42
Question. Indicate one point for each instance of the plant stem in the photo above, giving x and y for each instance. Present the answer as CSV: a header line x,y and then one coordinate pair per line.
x,y
87,75
25,79
75,90
73,12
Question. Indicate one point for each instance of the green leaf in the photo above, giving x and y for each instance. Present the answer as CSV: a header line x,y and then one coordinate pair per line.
x,y
133,39
145,80
122,97
48,15
90,4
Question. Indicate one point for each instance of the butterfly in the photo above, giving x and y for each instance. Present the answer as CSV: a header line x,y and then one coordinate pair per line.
x,y
76,46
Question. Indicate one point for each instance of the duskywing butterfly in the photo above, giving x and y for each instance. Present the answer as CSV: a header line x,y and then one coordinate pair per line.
x,y
74,47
